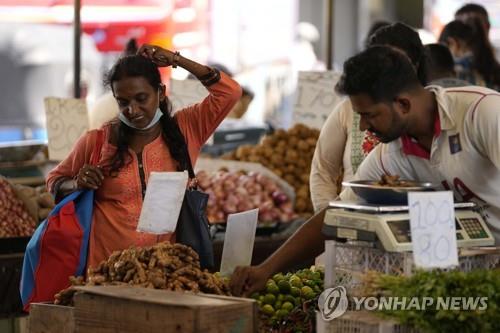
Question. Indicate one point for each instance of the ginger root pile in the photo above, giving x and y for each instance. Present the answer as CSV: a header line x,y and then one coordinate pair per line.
x,y
167,266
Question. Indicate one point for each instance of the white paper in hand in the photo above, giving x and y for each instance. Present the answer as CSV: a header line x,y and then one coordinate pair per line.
x,y
433,234
239,240
162,202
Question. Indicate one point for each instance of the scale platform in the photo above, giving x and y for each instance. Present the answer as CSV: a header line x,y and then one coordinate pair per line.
x,y
388,227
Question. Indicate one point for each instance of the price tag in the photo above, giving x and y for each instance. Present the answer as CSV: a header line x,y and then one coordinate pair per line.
x,y
184,93
433,234
239,240
315,98
67,119
162,202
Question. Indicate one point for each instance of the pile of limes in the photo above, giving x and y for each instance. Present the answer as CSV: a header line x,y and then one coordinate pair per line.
x,y
285,292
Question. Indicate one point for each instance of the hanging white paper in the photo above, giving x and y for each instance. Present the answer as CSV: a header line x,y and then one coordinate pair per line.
x,y
239,240
67,119
162,202
433,234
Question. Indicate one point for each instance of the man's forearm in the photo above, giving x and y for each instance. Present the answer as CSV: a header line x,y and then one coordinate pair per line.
x,y
306,243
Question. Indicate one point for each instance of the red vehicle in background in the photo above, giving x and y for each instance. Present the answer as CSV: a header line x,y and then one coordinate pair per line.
x,y
111,23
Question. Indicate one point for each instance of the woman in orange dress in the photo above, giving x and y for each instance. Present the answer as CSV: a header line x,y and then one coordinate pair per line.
x,y
146,137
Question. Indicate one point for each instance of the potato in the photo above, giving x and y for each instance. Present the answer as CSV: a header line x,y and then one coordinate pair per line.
x,y
43,213
45,200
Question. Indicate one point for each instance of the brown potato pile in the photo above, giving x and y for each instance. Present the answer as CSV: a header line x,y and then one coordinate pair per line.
x,y
168,266
38,202
288,154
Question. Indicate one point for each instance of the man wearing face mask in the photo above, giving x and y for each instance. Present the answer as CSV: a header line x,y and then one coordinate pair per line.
x,y
146,137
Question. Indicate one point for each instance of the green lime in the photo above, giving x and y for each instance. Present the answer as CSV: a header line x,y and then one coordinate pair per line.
x,y
268,309
255,296
281,297
278,277
306,290
259,303
317,289
272,288
297,301
281,313
269,299
261,298
316,276
287,306
284,286
278,305
289,298
295,281
309,283
295,291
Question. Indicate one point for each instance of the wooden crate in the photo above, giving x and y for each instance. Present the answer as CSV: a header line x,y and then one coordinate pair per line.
x,y
48,318
113,309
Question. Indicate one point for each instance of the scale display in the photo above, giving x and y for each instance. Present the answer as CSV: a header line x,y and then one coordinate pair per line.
x,y
390,227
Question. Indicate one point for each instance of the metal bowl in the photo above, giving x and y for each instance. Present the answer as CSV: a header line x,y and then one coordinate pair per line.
x,y
373,193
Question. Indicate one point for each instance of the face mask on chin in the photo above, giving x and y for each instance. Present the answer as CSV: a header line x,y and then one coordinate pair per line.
x,y
153,121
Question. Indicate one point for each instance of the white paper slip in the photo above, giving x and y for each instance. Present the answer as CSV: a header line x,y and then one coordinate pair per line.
x,y
67,119
239,240
433,233
162,202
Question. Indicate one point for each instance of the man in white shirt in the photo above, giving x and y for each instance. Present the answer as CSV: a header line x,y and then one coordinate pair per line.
x,y
448,136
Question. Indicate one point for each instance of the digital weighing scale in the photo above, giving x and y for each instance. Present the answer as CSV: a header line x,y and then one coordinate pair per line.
x,y
389,226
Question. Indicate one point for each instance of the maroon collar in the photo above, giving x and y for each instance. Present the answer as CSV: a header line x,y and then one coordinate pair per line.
x,y
412,147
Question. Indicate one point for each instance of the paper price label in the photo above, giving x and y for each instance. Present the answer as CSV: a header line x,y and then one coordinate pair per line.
x,y
433,233
315,98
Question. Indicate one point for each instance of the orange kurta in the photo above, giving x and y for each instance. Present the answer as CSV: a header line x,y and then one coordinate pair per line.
x,y
118,201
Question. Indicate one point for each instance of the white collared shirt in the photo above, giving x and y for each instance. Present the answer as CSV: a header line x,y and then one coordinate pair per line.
x,y
464,157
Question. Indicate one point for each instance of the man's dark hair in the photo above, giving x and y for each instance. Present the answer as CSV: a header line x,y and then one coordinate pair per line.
x,y
380,72
373,29
406,39
440,62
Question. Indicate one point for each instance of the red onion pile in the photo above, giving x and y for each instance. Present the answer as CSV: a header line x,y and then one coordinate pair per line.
x,y
15,221
234,192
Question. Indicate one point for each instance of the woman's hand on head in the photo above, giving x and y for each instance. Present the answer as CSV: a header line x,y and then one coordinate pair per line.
x,y
160,56
89,177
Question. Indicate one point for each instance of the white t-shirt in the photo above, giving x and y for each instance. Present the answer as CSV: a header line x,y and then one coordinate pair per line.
x,y
464,157
340,149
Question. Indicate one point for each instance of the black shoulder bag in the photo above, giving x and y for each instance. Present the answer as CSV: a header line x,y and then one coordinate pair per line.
x,y
192,226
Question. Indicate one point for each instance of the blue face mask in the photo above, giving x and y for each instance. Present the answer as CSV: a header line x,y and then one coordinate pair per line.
x,y
153,122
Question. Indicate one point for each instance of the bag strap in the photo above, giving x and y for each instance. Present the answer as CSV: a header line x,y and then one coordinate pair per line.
x,y
96,152
193,182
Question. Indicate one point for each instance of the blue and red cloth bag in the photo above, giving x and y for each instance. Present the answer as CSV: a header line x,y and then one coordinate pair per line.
x,y
59,246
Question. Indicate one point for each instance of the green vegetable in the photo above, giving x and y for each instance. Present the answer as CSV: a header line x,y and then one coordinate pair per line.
x,y
435,284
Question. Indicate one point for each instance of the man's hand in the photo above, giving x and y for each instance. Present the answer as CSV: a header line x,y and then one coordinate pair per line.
x,y
249,279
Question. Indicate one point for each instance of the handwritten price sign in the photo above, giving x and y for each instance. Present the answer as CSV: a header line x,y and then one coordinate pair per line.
x,y
432,221
315,98
67,120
